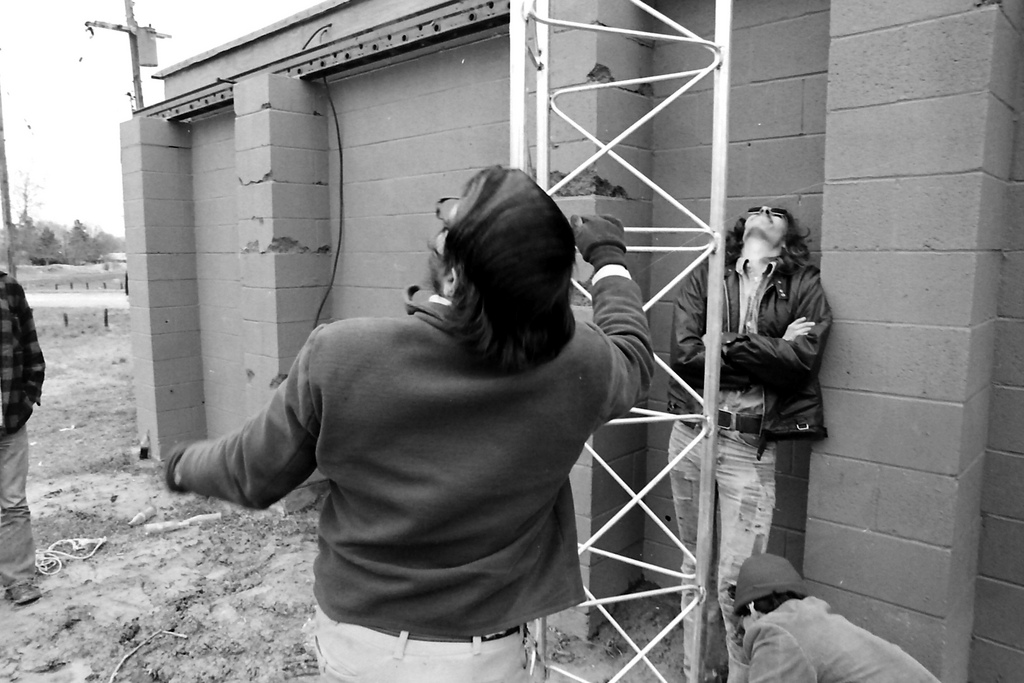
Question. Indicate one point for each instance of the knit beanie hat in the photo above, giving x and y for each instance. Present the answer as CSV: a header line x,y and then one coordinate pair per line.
x,y
762,575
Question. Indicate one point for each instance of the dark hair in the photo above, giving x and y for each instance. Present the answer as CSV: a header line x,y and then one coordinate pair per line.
x,y
513,252
765,605
795,252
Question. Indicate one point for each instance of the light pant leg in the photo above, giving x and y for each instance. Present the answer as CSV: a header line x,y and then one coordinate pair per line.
x,y
746,498
17,547
353,654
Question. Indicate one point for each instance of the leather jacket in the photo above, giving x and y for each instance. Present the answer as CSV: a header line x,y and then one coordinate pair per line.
x,y
786,370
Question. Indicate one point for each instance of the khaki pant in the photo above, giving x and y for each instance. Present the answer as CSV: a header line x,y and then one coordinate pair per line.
x,y
353,654
746,502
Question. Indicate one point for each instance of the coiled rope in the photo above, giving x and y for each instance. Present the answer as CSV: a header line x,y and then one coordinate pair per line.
x,y
51,560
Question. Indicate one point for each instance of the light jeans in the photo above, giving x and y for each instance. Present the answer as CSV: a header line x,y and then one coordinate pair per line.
x,y
354,654
17,548
746,501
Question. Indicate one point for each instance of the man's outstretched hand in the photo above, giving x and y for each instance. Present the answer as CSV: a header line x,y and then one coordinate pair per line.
x,y
601,240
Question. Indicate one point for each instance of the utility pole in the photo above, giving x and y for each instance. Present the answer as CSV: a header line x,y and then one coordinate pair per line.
x,y
142,44
5,194
133,42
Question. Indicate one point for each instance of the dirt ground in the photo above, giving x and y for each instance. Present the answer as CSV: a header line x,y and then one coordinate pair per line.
x,y
223,601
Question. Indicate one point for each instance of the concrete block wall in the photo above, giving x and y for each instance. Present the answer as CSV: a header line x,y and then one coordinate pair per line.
x,y
776,157
156,161
410,134
283,213
998,645
217,270
917,163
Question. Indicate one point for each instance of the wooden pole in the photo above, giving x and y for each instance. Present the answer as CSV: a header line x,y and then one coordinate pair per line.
x,y
5,195
133,42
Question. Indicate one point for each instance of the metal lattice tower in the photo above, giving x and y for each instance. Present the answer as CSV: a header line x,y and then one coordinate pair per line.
x,y
529,38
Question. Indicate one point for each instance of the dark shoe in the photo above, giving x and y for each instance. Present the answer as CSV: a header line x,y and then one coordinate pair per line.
x,y
24,593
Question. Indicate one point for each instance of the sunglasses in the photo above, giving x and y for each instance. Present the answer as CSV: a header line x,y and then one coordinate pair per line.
x,y
778,213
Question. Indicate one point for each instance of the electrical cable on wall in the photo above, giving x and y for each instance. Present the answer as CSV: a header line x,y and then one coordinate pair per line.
x,y
341,205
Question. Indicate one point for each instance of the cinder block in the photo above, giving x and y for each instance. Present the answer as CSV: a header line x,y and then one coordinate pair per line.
x,y
227,397
1004,480
147,321
226,372
1006,429
920,635
159,239
219,238
215,213
887,358
1009,361
219,293
995,663
471,148
220,184
284,200
212,156
475,63
270,127
165,346
687,122
158,293
274,91
464,105
316,235
1002,550
762,111
396,270
616,441
955,212
869,15
151,131
174,426
662,555
175,396
156,185
844,491
917,505
170,371
350,302
779,56
220,422
146,269
219,344
860,148
914,288
281,164
877,565
997,608
311,270
606,492
1011,301
220,319
218,266
156,158
158,213
930,59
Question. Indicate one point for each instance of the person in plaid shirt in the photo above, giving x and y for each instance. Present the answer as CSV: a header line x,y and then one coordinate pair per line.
x,y
21,383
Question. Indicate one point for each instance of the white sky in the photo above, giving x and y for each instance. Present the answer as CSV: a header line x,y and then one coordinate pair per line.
x,y
64,93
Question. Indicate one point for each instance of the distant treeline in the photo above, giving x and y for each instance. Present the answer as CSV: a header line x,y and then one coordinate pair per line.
x,y
46,242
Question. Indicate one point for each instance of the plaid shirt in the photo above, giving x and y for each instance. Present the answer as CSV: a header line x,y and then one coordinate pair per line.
x,y
21,359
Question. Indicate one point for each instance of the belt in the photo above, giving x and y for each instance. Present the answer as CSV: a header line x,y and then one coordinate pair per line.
x,y
746,424
448,639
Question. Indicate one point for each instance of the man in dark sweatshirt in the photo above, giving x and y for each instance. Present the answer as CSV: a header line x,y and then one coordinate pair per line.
x,y
447,438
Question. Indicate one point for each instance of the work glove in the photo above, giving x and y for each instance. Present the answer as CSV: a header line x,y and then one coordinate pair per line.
x,y
601,240
170,463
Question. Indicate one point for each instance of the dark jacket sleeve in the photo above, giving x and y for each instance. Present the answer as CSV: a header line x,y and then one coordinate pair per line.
x,y
689,325
619,314
33,366
787,365
266,458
